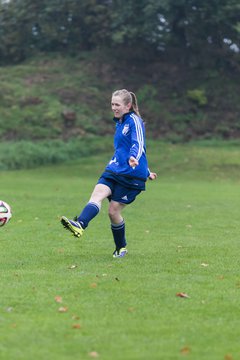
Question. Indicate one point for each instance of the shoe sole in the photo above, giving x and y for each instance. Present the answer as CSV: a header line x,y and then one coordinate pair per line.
x,y
68,226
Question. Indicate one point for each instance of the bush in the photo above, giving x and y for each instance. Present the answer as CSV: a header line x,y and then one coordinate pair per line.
x,y
198,96
26,154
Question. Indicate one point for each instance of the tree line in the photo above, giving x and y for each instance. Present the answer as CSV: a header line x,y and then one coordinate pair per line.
x,y
196,32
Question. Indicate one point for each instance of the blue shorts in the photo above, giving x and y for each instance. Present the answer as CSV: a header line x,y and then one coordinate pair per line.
x,y
120,193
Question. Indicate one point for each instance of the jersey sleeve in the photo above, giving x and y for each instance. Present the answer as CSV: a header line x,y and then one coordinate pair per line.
x,y
137,138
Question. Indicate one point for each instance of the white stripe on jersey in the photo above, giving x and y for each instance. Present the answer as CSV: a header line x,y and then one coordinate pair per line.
x,y
139,132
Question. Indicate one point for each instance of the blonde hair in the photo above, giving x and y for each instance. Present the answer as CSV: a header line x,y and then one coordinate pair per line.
x,y
128,97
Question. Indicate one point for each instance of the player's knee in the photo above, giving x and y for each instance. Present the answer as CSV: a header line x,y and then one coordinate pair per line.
x,y
113,213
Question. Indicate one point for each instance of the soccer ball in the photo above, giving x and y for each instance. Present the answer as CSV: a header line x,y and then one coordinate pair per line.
x,y
5,213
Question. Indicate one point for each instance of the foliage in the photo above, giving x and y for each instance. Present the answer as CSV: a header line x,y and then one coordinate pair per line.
x,y
198,96
205,31
61,98
202,34
36,104
51,26
180,58
28,154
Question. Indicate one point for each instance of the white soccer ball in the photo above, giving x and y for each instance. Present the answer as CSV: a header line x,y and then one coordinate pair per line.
x,y
5,213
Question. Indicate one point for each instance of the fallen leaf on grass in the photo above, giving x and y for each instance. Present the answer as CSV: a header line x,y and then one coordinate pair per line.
x,y
183,295
179,248
75,317
9,309
73,267
93,285
63,309
185,350
58,299
93,354
228,357
60,251
76,326
131,309
204,264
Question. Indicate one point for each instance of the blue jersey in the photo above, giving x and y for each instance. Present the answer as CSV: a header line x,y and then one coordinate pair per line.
x,y
129,140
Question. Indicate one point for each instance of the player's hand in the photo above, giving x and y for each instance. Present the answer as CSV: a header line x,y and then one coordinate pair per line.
x,y
133,162
152,176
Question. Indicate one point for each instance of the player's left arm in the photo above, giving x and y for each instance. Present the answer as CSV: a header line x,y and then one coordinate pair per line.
x,y
137,140
152,176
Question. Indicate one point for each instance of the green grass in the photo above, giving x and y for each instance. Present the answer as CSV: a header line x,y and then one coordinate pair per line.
x,y
126,309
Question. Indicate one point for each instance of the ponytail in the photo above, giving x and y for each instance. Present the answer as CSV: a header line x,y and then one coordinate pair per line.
x,y
134,103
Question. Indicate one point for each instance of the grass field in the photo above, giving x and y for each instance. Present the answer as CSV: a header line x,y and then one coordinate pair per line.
x,y
63,298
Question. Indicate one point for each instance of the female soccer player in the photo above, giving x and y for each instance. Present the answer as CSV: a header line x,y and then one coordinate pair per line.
x,y
125,175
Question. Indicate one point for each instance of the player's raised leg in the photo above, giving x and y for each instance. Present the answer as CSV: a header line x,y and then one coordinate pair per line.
x,y
79,224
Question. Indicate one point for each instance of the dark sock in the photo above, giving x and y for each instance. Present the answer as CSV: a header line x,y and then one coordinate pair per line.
x,y
118,231
88,213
